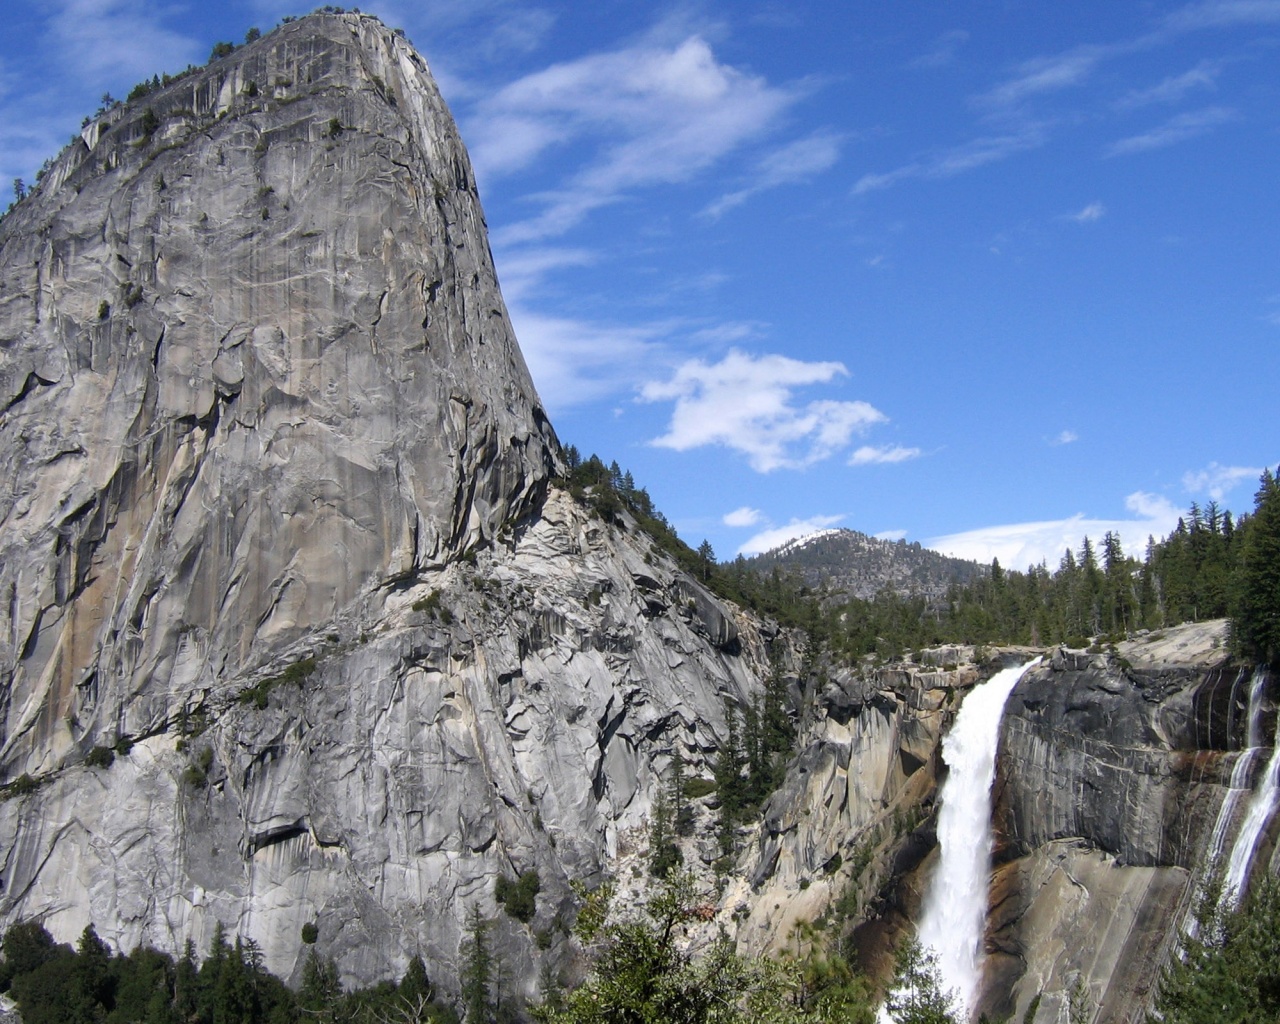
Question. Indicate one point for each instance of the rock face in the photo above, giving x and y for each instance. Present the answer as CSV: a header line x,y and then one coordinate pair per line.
x,y
1112,771
277,527
254,366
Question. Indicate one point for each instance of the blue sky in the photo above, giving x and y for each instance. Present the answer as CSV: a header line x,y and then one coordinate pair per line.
x,y
989,276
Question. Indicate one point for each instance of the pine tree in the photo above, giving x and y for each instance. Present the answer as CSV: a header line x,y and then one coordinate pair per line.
x,y
916,995
1255,606
730,785
477,969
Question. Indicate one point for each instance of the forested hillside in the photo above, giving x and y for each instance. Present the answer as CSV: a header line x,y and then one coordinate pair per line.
x,y
1213,565
846,564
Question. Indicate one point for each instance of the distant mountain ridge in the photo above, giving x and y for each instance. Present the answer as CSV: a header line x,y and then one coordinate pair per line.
x,y
852,564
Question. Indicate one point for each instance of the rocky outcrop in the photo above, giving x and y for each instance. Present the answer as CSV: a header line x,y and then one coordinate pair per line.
x,y
1112,770
851,823
510,713
254,367
296,630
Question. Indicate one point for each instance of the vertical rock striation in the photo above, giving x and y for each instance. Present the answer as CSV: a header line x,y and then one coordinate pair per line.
x,y
254,368
277,526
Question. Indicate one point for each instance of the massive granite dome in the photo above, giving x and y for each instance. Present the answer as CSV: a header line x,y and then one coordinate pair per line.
x,y
254,367
296,628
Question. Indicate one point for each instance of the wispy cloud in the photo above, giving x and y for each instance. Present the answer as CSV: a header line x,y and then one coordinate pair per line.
x,y
1093,212
574,362
891,535
1018,545
1223,14
796,162
1045,74
868,455
647,115
523,270
1065,437
776,536
975,153
743,517
944,51
747,403
1174,88
100,41
1180,128
729,332
1218,481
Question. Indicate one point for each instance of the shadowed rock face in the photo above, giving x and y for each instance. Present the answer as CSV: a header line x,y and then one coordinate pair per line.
x,y
254,366
1111,774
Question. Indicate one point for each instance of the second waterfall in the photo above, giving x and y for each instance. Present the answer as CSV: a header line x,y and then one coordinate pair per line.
x,y
955,909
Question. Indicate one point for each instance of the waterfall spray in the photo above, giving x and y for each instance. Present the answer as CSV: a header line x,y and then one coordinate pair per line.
x,y
955,910
1263,804
1236,790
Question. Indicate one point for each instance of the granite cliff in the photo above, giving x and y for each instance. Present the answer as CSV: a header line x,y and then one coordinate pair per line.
x,y
296,629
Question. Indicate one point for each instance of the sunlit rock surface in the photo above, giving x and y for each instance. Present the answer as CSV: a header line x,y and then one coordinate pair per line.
x,y
260,397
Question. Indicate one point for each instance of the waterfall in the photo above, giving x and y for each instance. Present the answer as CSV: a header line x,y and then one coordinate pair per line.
x,y
955,910
1236,789
1263,804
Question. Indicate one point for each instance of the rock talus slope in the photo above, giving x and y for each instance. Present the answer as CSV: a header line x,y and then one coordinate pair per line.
x,y
276,525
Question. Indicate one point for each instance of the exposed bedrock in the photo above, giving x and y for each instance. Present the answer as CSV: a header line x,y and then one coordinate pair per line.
x,y
254,367
1112,770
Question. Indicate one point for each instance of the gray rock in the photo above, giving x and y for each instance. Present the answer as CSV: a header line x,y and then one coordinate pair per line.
x,y
260,398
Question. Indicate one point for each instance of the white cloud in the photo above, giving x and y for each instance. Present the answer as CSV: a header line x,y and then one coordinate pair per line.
x,y
1224,14
729,332
573,362
1093,212
1065,437
1045,74
868,455
975,153
891,535
522,270
1172,89
1019,545
102,41
1216,481
795,162
746,403
742,517
1177,129
776,536
944,50
647,114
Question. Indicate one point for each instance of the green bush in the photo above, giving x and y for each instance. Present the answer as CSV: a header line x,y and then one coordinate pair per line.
x,y
297,673
696,788
310,932
519,896
23,785
429,604
100,757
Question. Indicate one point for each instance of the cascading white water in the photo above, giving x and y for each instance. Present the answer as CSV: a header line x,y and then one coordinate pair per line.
x,y
1263,804
955,909
1236,790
